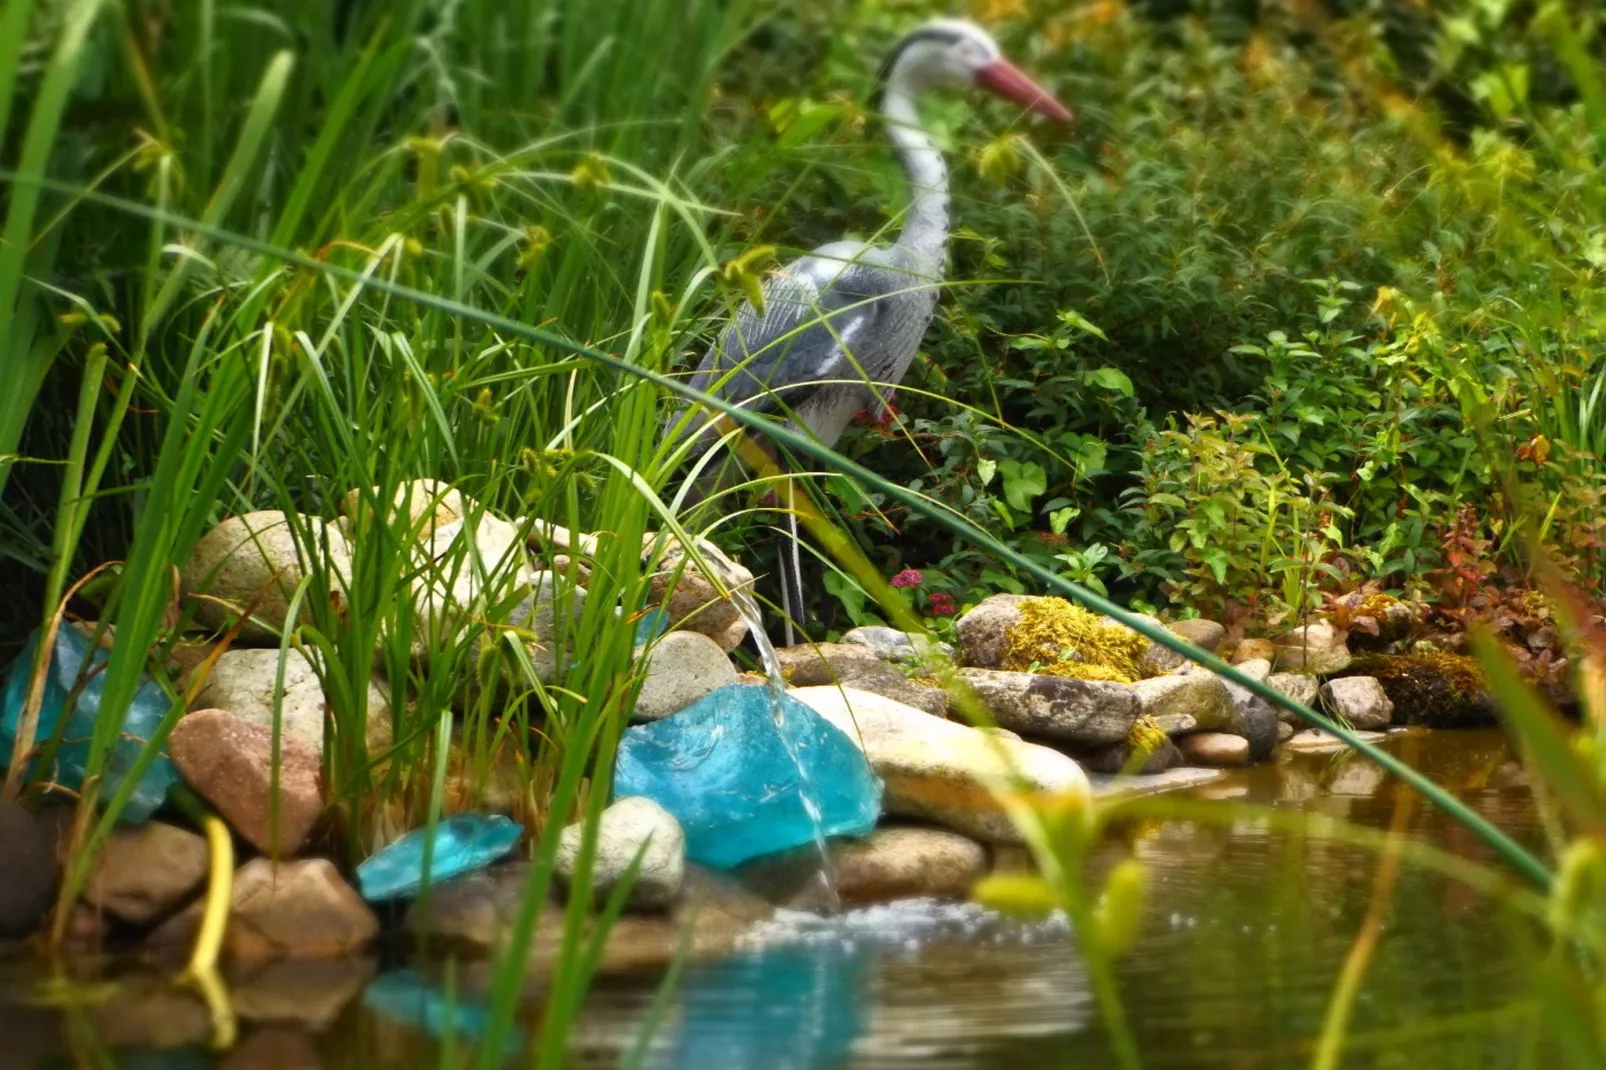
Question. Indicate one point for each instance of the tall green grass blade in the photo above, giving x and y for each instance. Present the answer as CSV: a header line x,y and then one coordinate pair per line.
x,y
22,365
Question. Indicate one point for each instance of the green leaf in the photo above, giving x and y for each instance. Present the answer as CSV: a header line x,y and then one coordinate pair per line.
x,y
1111,379
1023,481
1072,318
1059,518
850,594
985,469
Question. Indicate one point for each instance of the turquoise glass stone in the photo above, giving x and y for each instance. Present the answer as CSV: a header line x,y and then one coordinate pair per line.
x,y
73,654
462,844
720,766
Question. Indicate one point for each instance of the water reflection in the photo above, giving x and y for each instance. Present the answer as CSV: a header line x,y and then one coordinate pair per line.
x,y
1244,934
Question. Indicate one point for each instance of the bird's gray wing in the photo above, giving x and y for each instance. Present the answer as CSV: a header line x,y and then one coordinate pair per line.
x,y
825,317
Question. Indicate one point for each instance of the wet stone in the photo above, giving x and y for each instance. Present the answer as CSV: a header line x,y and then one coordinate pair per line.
x,y
1215,749
893,862
146,872
1360,700
293,909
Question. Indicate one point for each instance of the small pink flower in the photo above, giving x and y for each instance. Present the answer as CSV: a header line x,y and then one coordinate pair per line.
x,y
909,577
941,604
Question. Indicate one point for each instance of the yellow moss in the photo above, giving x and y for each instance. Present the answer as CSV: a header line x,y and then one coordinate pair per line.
x,y
1056,638
1145,736
1432,688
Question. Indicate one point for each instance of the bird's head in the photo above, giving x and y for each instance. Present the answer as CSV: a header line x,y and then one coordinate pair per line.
x,y
958,54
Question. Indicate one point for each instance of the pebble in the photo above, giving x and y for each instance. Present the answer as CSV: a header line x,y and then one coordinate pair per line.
x,y
146,872
1215,749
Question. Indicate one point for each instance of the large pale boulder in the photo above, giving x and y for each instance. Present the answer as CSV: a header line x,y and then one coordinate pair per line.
x,y
1199,695
246,683
256,558
628,827
682,667
1317,649
1086,712
426,504
474,568
944,771
1360,700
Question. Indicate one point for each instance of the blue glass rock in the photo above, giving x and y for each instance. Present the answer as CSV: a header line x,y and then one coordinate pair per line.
x,y
720,766
462,844
72,654
651,624
406,997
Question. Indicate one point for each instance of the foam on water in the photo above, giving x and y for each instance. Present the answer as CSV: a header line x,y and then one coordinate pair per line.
x,y
907,924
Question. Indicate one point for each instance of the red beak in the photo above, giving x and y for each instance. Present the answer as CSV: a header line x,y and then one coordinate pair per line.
x,y
1004,79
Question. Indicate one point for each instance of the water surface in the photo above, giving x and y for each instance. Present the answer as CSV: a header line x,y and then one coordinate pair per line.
x,y
1244,934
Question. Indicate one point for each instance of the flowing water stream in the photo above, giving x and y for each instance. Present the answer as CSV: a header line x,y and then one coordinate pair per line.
x,y
743,599
1244,932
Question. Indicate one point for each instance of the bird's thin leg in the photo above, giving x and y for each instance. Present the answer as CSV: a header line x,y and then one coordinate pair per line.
x,y
791,569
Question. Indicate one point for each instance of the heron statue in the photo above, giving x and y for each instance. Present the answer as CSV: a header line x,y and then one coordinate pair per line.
x,y
836,330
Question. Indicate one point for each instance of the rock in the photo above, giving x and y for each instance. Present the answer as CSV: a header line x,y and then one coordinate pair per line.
x,y
984,631
478,910
1431,688
692,600
290,909
1106,786
229,763
1255,718
682,667
1175,724
426,504
311,992
245,682
1315,741
890,644
1316,649
145,872
944,771
740,784
1360,700
851,665
273,1048
1285,732
628,827
76,671
255,558
1199,695
893,862
456,845
28,860
538,611
1118,759
1086,712
1297,686
1215,749
1357,776
474,569
1207,635
1254,650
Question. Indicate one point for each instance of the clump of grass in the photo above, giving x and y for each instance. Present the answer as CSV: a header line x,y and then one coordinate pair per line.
x,y
1056,638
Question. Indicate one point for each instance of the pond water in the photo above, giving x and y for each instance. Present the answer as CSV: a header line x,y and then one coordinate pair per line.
x,y
1245,931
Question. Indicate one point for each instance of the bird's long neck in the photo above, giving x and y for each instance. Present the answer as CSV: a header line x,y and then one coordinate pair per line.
x,y
925,230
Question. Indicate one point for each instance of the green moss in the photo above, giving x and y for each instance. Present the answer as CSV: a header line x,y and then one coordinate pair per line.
x,y
1430,688
1056,638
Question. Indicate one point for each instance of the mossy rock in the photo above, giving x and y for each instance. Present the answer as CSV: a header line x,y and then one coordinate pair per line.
x,y
1056,638
1434,689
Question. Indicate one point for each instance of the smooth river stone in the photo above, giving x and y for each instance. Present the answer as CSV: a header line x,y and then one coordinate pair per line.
x,y
741,782
1087,712
948,772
